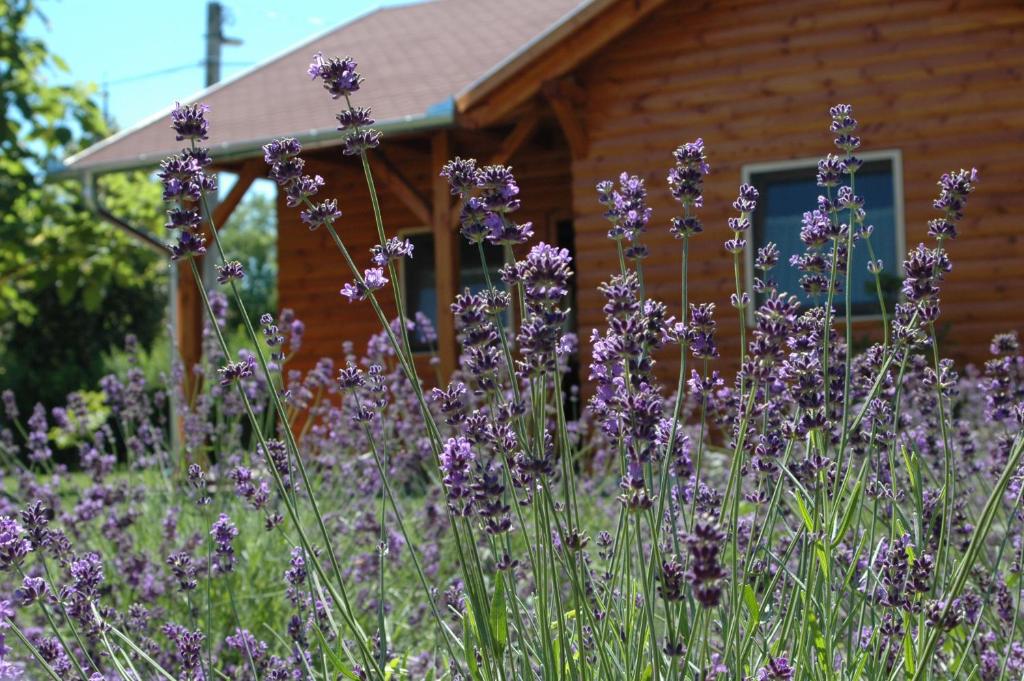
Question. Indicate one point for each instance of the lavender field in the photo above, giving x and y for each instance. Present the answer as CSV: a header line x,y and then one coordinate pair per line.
x,y
817,508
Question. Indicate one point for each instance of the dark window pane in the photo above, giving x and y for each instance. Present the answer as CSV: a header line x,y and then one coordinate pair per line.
x,y
471,274
787,194
420,282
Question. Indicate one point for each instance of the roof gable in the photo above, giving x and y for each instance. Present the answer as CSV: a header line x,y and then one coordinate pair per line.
x,y
416,58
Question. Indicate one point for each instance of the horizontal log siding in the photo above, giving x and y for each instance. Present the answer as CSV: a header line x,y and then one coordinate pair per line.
x,y
938,80
312,271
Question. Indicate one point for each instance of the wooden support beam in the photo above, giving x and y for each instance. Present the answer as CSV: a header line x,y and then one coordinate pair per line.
x,y
402,189
248,174
188,323
446,256
546,60
188,304
509,146
562,95
517,137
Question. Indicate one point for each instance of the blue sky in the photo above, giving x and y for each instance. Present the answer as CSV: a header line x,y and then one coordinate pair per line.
x,y
123,42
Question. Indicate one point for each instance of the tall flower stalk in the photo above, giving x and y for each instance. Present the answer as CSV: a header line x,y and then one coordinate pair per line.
x,y
818,517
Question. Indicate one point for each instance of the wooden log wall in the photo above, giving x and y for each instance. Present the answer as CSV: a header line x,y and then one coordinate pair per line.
x,y
311,271
940,80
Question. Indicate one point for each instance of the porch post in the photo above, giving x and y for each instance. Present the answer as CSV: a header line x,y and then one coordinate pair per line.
x,y
446,254
188,322
188,304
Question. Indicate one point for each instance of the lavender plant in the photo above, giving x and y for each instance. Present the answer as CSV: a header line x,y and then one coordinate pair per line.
x,y
823,515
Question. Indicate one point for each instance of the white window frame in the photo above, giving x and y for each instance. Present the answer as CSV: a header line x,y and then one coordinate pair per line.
x,y
894,156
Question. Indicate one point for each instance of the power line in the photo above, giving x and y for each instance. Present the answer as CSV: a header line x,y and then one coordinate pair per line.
x,y
167,71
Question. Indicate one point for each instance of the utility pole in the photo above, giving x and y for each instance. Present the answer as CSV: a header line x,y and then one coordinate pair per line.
x,y
215,39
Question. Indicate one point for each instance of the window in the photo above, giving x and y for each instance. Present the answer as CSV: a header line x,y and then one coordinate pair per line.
x,y
420,282
787,190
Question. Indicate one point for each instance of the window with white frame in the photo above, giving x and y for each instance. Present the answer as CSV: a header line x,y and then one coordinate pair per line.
x,y
789,189
419,283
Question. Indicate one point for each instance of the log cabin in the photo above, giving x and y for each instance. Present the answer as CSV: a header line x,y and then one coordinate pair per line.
x,y
570,93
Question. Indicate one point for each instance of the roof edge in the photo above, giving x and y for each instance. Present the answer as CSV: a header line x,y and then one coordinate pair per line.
x,y
506,68
440,115
204,92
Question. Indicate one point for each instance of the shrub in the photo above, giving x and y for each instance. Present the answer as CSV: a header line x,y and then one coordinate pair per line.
x,y
821,515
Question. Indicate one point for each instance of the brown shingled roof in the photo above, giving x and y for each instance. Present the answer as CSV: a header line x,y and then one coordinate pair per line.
x,y
415,58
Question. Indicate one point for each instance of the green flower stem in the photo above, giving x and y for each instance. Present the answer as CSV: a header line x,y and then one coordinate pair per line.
x,y
340,595
974,549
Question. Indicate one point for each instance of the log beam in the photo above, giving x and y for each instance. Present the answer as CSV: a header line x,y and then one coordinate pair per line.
x,y
446,256
247,174
515,139
188,304
548,60
188,318
562,96
398,185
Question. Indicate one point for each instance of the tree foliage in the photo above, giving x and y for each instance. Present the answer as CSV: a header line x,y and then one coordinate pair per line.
x,y
70,285
250,235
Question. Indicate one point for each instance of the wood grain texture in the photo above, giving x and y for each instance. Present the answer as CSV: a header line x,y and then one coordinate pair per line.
x,y
937,79
942,81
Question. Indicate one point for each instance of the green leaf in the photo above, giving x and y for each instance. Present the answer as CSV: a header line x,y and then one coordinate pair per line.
x,y
336,662
469,626
808,523
851,506
908,646
753,610
499,617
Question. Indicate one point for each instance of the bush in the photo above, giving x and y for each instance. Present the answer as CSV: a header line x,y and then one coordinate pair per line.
x,y
823,515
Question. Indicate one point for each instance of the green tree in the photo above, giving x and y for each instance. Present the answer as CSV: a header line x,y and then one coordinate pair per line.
x,y
71,286
250,235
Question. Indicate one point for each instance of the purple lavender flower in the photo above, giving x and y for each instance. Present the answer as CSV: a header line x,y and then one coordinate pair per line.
x,y
462,175
830,171
190,653
354,118
425,331
32,589
452,402
625,207
87,575
38,437
686,178
189,121
230,271
321,213
188,245
337,73
745,204
299,190
700,332
777,669
706,574
925,268
10,405
954,188
182,218
373,280
183,570
1005,344
359,141
392,250
14,545
457,458
224,532
843,126
233,372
